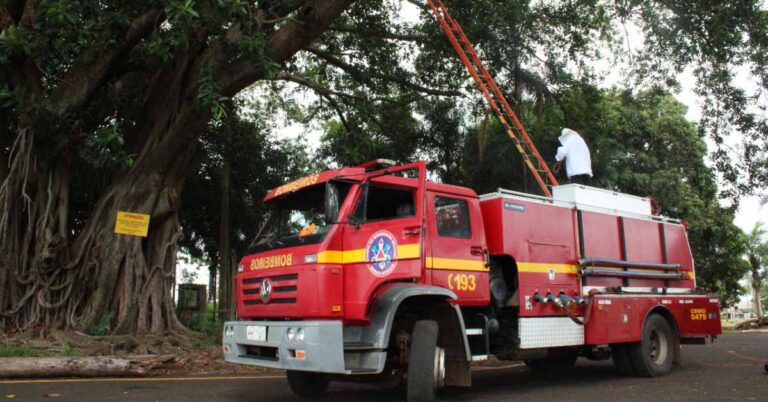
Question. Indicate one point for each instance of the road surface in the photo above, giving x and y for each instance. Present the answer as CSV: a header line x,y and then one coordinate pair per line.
x,y
729,370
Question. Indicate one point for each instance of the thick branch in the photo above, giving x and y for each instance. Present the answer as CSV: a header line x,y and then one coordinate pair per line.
x,y
93,67
310,22
367,33
313,85
279,9
359,75
324,92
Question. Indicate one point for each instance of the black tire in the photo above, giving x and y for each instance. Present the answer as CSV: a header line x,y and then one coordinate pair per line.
x,y
307,384
426,366
620,357
654,354
553,365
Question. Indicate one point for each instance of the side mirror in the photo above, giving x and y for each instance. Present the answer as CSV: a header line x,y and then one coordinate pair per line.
x,y
331,203
354,221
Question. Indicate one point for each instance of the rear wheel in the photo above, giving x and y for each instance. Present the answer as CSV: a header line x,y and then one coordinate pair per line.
x,y
426,365
307,384
653,355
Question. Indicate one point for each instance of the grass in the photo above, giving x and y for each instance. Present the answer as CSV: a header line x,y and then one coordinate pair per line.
x,y
69,352
18,351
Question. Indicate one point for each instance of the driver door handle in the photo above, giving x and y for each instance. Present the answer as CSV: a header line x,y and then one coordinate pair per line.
x,y
411,231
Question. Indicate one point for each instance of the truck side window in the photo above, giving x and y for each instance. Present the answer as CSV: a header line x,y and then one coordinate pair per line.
x,y
389,203
452,218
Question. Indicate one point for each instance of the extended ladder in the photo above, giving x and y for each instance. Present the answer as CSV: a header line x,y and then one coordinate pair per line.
x,y
495,97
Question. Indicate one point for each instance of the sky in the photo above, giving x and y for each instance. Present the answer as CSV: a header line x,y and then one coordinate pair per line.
x,y
750,210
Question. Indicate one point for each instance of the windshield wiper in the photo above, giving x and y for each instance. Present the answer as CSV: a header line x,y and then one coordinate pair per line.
x,y
272,238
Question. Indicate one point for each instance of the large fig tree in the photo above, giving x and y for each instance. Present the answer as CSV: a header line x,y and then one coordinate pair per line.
x,y
154,73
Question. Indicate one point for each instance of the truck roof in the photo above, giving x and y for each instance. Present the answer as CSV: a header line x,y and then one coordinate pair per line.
x,y
357,174
617,205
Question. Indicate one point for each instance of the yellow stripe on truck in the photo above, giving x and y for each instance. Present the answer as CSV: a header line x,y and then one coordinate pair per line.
x,y
404,252
538,267
456,264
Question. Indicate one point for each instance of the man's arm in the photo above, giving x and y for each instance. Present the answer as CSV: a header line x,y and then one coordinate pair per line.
x,y
561,154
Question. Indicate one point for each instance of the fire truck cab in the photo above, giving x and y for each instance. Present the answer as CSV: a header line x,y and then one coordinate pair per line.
x,y
373,273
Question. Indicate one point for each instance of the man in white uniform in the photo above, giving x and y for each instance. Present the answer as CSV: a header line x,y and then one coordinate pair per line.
x,y
578,163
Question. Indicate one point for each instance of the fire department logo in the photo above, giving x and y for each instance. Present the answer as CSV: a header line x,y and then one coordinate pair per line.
x,y
381,253
266,291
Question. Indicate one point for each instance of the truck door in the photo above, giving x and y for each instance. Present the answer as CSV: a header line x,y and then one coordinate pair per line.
x,y
385,243
457,247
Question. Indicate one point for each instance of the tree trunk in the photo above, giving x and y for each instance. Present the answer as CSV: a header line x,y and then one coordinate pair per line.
x,y
130,277
756,298
36,367
226,284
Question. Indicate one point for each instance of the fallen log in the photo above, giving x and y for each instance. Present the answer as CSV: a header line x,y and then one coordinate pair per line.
x,y
101,366
754,323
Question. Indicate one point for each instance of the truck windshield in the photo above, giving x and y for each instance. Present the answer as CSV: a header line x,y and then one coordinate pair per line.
x,y
297,219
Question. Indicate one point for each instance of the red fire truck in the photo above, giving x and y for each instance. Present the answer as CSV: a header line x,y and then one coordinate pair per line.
x,y
373,273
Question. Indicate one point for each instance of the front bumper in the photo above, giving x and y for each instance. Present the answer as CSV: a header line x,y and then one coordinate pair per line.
x,y
322,349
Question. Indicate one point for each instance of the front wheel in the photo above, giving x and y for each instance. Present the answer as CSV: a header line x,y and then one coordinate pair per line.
x,y
307,384
653,355
426,365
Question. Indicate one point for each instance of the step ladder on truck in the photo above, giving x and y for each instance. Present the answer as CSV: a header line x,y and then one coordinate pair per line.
x,y
374,274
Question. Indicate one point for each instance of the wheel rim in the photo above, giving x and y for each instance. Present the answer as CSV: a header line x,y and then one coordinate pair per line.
x,y
439,367
658,347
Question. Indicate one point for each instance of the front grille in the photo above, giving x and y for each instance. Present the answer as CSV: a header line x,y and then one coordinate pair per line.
x,y
284,289
289,277
289,300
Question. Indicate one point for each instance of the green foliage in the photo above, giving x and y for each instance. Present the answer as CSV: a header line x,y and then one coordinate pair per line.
x,y
208,325
209,94
181,10
188,275
257,163
757,257
641,144
18,351
100,328
68,351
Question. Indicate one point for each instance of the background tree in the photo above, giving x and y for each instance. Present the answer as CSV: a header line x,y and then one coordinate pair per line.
x,y
256,163
757,255
641,144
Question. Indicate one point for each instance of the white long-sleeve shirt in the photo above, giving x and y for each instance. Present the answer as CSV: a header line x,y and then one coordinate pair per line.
x,y
575,152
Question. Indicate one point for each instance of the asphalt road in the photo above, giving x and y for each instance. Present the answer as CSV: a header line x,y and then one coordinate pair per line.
x,y
729,370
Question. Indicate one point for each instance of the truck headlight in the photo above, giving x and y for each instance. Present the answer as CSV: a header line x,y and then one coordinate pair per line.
x,y
300,335
240,267
290,334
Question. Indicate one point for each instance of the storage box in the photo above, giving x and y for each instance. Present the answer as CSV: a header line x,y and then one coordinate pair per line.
x,y
595,198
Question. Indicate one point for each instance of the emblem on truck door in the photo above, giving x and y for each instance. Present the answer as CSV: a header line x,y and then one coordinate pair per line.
x,y
266,291
381,253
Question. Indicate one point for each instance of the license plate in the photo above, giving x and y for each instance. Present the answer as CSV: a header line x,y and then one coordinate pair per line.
x,y
256,333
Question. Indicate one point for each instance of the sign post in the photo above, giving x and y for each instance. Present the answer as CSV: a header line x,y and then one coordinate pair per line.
x,y
132,224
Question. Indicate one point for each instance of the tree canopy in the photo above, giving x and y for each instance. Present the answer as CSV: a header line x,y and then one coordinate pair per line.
x,y
143,106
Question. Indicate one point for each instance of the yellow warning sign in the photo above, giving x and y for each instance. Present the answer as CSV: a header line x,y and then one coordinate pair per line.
x,y
132,224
